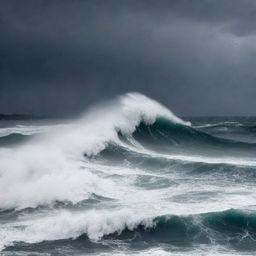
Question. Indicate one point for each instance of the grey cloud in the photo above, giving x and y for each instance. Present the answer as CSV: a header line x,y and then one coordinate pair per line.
x,y
195,56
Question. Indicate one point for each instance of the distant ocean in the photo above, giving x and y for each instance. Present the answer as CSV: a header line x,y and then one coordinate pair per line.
x,y
128,178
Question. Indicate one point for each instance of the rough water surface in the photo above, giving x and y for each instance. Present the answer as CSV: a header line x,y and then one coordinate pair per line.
x,y
128,178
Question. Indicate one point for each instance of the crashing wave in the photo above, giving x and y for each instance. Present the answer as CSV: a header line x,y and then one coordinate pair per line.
x,y
232,227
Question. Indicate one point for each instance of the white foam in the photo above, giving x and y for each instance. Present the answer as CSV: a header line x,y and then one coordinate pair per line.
x,y
46,169
66,224
52,167
201,251
137,106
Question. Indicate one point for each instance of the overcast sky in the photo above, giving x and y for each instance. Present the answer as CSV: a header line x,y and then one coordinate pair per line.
x,y
198,57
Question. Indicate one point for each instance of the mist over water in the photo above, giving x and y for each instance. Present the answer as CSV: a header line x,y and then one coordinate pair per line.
x,y
128,177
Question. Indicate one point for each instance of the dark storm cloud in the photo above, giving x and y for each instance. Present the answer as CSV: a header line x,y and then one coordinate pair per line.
x,y
196,56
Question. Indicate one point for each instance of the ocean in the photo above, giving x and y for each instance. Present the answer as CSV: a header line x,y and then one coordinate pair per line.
x,y
128,177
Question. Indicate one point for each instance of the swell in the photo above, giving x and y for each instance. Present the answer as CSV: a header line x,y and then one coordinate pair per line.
x,y
220,125
168,138
229,126
236,171
167,132
92,201
14,138
232,227
176,141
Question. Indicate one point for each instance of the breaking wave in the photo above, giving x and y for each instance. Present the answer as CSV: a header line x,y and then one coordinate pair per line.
x,y
235,228
129,172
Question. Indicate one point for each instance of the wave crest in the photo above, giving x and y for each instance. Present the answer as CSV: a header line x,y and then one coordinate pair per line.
x,y
232,227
